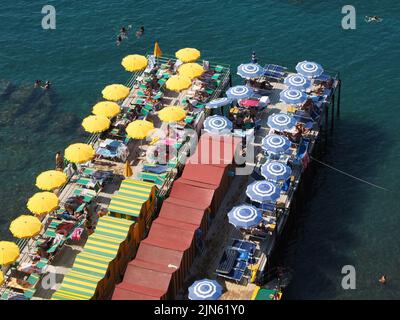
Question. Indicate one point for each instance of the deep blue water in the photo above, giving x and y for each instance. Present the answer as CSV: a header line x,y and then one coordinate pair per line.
x,y
347,222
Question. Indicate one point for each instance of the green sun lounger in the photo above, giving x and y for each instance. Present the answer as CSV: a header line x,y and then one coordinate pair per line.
x,y
88,183
218,68
33,279
87,194
158,95
42,263
216,76
162,81
189,119
144,112
148,106
29,293
210,91
141,94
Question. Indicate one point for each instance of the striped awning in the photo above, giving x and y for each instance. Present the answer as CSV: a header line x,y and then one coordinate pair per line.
x,y
131,197
91,265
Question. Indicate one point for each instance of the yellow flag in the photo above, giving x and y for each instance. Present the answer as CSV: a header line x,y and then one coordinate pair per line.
x,y
157,50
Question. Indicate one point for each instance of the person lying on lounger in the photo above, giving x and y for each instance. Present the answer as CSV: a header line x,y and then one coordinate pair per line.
x,y
30,267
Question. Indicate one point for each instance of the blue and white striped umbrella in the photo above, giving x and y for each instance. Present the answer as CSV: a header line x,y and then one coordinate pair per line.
x,y
275,171
250,70
275,143
239,92
216,103
297,81
205,289
309,69
244,216
281,121
218,124
263,191
293,96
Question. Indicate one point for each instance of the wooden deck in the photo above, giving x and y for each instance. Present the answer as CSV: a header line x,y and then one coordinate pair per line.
x,y
221,231
65,258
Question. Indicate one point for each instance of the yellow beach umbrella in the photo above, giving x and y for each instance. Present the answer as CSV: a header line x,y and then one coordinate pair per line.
x,y
188,54
9,252
178,83
50,180
134,62
107,109
1,278
172,114
139,129
115,92
79,153
25,227
43,202
191,70
127,170
96,124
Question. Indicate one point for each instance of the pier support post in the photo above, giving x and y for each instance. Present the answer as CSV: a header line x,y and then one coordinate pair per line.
x,y
230,80
326,125
338,100
333,112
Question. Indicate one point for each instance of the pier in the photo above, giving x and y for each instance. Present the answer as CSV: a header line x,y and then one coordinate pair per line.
x,y
203,260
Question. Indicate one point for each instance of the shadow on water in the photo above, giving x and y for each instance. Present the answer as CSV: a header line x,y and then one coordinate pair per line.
x,y
318,239
32,129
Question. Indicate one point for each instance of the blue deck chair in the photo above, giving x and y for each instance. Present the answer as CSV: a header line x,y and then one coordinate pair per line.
x,y
235,275
155,168
244,245
227,261
286,185
240,265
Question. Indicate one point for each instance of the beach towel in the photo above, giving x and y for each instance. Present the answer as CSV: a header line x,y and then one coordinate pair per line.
x,y
76,234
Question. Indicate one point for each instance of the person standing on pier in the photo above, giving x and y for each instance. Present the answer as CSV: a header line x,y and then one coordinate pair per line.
x,y
59,161
253,57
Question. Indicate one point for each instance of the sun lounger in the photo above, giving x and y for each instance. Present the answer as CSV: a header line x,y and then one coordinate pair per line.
x,y
89,184
148,106
87,194
218,68
235,275
106,153
153,168
275,68
11,295
28,294
244,245
152,177
158,95
227,261
141,94
240,265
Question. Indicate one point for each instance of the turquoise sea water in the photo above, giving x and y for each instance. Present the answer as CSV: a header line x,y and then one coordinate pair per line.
x,y
346,223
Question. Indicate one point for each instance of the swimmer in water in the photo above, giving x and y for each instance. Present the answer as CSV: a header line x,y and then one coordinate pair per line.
x,y
373,19
119,40
382,279
47,85
123,34
140,32
37,83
